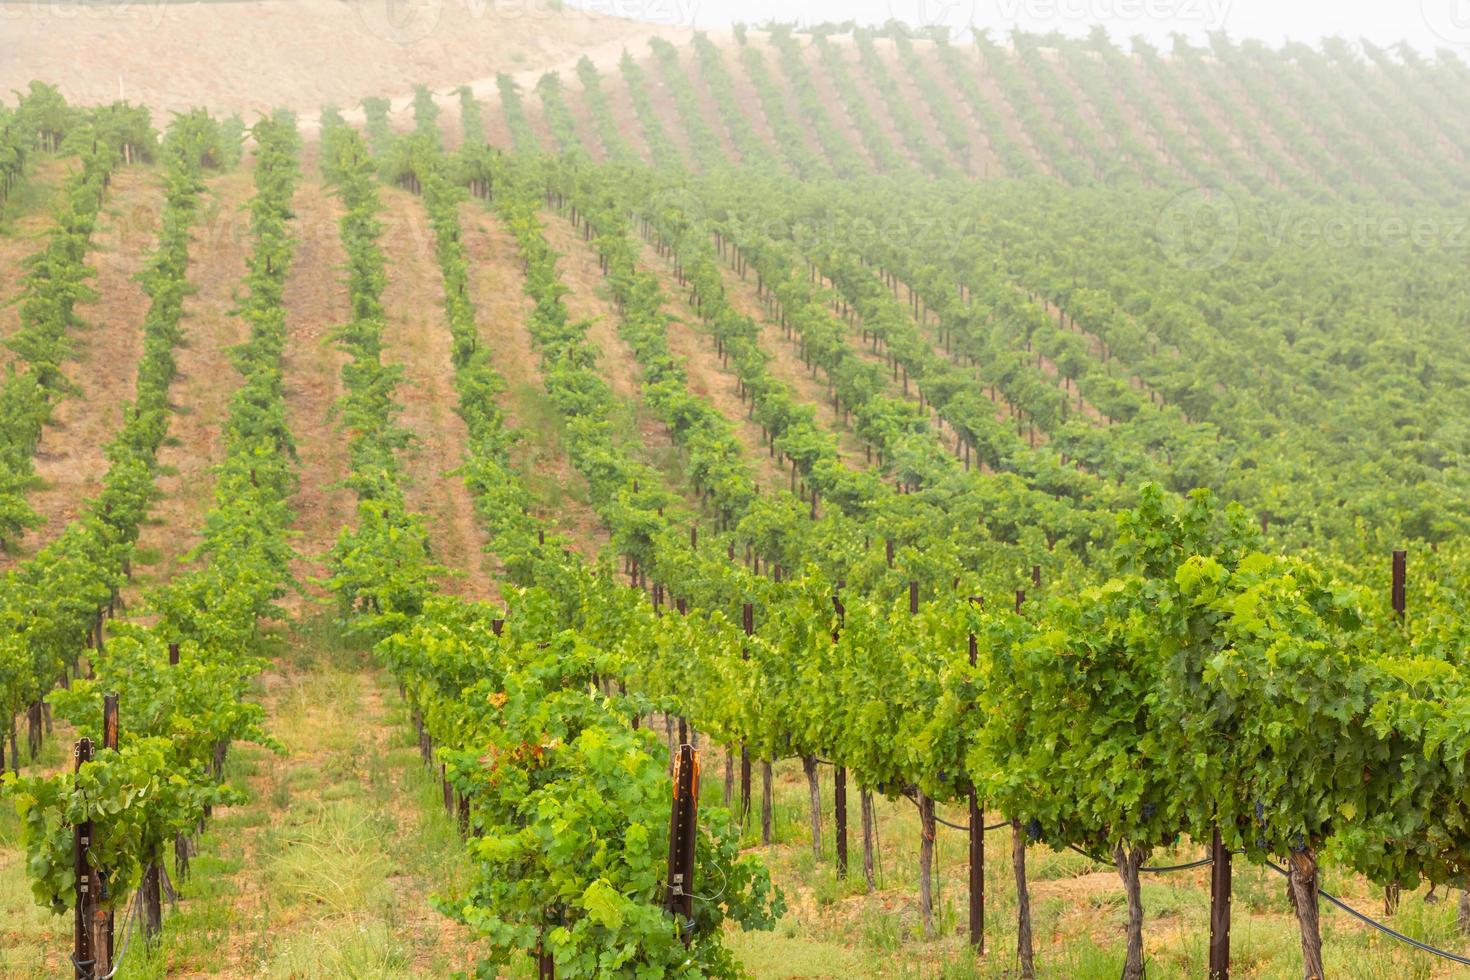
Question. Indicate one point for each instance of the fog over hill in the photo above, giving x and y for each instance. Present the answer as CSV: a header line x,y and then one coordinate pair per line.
x,y
302,54
1426,24
254,55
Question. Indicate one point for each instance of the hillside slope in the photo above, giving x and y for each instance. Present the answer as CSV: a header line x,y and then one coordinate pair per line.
x,y
257,55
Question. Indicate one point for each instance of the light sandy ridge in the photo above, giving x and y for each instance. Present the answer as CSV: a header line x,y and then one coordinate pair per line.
x,y
257,55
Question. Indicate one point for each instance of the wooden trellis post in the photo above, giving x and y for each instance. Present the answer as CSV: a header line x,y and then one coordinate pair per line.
x,y
839,777
683,834
1219,909
88,885
977,853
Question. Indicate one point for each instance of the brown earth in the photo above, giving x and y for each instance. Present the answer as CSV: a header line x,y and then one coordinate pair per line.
x,y
838,110
591,299
1035,93
417,337
708,107
981,159
908,86
771,58
746,95
25,231
335,850
845,49
107,342
256,55
502,309
707,379
620,104
1010,120
786,364
537,119
662,100
1167,98
576,100
316,302
1127,111
206,381
497,133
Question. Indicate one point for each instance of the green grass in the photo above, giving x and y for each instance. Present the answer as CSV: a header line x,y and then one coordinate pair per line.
x,y
31,196
325,872
342,949
329,857
147,557
835,928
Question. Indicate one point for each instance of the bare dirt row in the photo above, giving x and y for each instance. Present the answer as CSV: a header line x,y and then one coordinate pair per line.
x,y
107,343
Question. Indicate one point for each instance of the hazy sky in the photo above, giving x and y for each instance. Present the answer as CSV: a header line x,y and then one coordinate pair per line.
x,y
1427,24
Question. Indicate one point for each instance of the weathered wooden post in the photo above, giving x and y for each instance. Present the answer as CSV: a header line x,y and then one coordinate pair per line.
x,y
88,885
1398,596
977,852
839,777
102,921
927,825
1024,950
1219,909
683,820
747,614
182,844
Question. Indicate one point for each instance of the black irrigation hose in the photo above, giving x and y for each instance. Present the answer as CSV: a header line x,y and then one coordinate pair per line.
x,y
1166,869
938,818
959,826
1334,900
952,826
1202,863
1206,862
986,829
